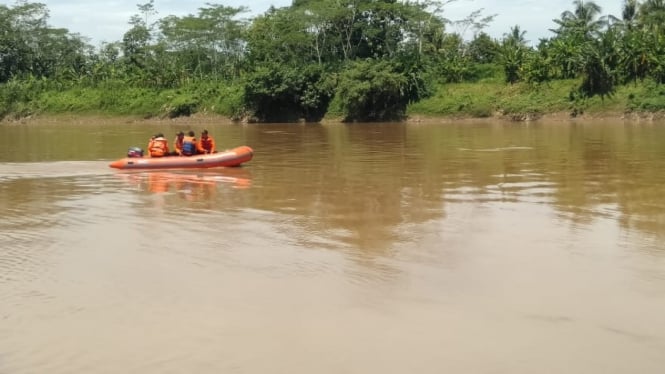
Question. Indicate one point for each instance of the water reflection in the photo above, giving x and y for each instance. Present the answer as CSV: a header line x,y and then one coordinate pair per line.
x,y
361,183
368,180
188,185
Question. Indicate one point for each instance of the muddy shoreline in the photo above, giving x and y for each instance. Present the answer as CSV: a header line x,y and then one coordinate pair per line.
x,y
646,117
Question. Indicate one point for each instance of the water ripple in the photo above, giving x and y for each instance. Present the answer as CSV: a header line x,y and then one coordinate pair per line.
x,y
23,256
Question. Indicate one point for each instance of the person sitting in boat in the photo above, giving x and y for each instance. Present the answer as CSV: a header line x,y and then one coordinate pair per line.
x,y
158,146
206,144
189,144
177,143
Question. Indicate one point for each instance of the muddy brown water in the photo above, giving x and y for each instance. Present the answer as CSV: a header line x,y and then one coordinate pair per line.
x,y
367,248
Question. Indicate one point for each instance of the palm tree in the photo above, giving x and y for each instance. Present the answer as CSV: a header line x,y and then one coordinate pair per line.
x,y
582,22
652,15
566,57
513,51
599,63
634,55
628,18
515,36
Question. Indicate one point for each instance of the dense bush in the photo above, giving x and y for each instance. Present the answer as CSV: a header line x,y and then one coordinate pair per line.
x,y
277,93
378,90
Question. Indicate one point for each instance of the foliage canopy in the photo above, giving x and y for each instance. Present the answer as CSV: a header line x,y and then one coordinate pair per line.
x,y
370,57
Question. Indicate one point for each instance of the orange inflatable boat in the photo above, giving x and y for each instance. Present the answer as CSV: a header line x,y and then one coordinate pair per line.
x,y
230,157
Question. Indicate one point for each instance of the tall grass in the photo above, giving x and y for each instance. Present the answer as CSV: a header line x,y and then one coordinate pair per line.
x,y
489,98
524,100
21,98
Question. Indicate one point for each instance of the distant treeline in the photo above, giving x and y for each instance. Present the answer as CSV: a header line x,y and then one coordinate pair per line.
x,y
358,60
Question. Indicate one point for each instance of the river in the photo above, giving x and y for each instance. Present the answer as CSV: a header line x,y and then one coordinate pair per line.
x,y
474,247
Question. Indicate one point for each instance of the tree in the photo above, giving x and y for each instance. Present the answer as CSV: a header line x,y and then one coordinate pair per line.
x,y
474,21
513,52
629,14
379,90
209,43
652,15
538,64
599,62
452,61
483,49
147,10
427,23
282,93
135,43
581,23
633,52
28,46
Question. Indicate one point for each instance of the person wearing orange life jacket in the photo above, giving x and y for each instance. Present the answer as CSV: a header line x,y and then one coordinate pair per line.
x,y
177,144
189,144
206,144
158,146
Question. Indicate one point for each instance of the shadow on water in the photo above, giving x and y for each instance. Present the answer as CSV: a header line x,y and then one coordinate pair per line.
x,y
367,179
344,182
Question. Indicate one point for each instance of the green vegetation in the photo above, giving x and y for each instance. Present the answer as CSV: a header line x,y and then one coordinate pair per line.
x,y
356,60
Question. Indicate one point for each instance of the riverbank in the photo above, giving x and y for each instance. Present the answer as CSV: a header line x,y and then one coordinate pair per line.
x,y
199,119
645,117
101,119
491,100
554,101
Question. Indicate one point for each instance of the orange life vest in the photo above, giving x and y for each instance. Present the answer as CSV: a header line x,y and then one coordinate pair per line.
x,y
207,145
159,147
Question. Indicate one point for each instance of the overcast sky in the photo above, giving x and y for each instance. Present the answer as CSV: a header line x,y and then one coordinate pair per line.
x,y
108,20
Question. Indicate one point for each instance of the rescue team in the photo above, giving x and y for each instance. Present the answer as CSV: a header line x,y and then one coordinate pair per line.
x,y
183,145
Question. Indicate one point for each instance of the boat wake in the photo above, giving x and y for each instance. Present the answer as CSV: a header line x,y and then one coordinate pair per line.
x,y
57,169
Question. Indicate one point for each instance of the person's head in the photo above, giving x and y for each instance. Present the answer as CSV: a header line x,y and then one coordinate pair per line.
x,y
190,133
159,135
180,134
204,133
